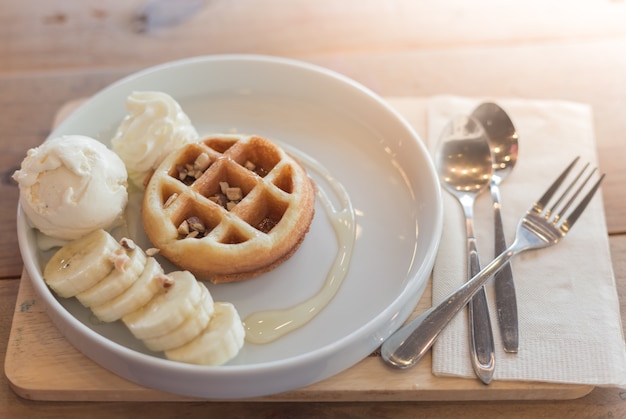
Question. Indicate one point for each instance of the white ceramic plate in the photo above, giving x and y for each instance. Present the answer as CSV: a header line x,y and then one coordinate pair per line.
x,y
362,142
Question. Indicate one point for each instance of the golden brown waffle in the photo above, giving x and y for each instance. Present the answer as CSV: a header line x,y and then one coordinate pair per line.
x,y
228,207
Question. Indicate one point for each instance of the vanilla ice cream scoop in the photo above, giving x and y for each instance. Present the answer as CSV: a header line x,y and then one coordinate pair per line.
x,y
155,126
72,185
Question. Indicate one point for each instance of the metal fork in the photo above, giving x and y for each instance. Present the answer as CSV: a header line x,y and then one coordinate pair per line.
x,y
540,227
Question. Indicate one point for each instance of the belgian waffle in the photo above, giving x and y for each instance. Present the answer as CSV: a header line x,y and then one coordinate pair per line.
x,y
228,207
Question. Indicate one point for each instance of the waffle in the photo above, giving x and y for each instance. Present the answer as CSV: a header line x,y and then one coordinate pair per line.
x,y
228,207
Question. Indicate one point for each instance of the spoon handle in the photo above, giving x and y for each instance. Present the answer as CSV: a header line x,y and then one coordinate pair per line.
x,y
504,287
482,349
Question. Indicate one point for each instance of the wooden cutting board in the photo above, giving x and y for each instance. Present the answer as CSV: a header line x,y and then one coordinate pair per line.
x,y
42,365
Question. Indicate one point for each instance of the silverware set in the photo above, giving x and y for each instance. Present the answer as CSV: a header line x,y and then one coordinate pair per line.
x,y
476,153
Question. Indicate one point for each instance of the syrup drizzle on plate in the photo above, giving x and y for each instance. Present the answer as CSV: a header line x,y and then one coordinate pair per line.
x,y
270,325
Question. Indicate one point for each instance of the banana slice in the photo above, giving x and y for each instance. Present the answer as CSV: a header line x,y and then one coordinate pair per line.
x,y
193,325
117,281
167,310
218,343
81,263
172,313
151,281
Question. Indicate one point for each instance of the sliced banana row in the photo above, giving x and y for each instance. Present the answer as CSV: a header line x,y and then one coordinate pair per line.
x,y
173,313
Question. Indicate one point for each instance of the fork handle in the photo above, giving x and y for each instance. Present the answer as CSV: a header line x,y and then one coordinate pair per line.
x,y
410,343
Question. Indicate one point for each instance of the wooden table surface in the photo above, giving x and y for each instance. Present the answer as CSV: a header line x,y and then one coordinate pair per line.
x,y
53,51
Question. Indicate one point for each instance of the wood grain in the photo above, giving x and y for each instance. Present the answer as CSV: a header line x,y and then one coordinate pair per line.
x,y
47,35
38,357
55,51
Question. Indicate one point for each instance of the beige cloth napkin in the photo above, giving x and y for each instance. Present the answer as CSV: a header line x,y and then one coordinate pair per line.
x,y
570,328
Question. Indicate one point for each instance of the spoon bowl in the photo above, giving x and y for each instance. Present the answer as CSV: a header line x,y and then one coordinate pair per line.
x,y
463,158
503,138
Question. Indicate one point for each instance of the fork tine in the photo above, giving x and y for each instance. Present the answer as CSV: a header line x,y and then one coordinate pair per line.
x,y
571,219
573,197
569,188
543,201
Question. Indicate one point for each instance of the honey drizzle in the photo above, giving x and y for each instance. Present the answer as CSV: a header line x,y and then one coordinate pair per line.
x,y
268,326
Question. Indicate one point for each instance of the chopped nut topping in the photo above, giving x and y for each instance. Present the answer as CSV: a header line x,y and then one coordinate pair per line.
x,y
219,199
120,260
195,224
183,228
182,172
128,244
166,280
152,251
228,197
202,162
189,172
171,199
249,165
234,194
191,228
259,170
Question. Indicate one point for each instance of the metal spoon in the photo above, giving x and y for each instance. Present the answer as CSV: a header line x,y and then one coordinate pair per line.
x,y
463,160
503,142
